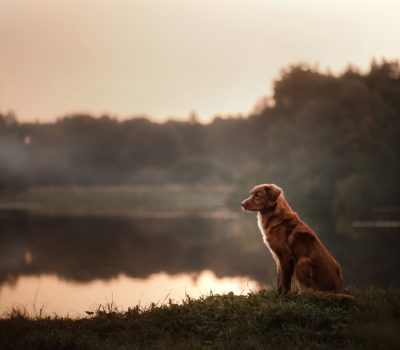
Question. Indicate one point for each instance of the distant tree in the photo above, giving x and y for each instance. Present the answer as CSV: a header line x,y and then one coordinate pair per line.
x,y
331,141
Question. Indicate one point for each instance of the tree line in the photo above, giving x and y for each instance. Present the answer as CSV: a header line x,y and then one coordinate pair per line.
x,y
329,140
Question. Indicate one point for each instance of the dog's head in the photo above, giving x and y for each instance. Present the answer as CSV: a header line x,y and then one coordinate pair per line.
x,y
262,197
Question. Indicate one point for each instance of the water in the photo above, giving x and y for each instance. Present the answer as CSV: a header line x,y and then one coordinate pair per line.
x,y
68,264
72,263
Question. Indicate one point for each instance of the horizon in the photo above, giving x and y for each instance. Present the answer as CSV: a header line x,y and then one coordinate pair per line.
x,y
192,117
168,60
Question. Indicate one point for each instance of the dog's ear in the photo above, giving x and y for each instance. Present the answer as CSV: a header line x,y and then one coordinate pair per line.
x,y
272,193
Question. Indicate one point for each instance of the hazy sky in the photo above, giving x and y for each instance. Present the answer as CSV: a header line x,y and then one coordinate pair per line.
x,y
168,57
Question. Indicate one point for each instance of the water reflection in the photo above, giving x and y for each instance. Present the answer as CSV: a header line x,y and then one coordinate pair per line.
x,y
99,247
60,297
84,255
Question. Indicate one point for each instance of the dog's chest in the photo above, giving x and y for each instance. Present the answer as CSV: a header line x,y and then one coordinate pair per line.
x,y
264,233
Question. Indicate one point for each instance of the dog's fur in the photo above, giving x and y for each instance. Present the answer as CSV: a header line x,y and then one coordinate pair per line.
x,y
295,247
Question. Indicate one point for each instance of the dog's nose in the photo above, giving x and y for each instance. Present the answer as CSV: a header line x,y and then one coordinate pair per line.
x,y
242,203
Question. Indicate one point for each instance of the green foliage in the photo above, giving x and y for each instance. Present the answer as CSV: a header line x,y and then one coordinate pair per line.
x,y
262,320
332,142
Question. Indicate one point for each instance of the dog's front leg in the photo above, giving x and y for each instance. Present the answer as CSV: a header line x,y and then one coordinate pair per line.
x,y
285,269
278,276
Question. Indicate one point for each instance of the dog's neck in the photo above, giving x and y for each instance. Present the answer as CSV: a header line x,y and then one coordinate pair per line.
x,y
274,215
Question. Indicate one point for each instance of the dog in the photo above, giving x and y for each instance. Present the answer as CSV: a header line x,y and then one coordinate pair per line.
x,y
295,247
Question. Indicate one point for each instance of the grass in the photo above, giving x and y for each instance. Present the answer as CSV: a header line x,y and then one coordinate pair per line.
x,y
262,320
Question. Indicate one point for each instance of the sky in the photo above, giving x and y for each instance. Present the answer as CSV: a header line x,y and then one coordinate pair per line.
x,y
170,58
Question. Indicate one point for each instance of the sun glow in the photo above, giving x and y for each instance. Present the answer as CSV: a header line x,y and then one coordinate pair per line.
x,y
56,296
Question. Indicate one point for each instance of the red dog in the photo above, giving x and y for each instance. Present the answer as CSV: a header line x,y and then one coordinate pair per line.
x,y
295,247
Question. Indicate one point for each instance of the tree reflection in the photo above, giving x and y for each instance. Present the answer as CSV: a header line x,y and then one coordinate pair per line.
x,y
84,248
92,247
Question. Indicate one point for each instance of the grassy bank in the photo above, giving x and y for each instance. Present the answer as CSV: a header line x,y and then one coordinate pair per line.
x,y
262,320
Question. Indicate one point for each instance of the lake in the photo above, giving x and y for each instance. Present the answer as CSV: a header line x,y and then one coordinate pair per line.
x,y
69,263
